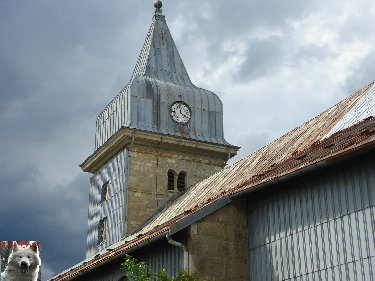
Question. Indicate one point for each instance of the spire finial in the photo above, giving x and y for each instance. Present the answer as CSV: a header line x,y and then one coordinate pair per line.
x,y
158,4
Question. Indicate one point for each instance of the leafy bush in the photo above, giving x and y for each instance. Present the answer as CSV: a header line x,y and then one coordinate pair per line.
x,y
135,270
138,271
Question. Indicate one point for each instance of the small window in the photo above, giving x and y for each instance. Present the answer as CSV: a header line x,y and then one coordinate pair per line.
x,y
181,181
105,191
171,178
102,230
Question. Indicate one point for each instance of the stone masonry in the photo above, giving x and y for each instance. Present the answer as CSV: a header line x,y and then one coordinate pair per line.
x,y
218,244
150,158
148,187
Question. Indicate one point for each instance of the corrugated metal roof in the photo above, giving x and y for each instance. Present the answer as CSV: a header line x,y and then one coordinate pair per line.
x,y
360,111
303,147
254,168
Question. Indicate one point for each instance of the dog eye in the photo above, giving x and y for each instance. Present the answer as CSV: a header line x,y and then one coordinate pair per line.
x,y
28,257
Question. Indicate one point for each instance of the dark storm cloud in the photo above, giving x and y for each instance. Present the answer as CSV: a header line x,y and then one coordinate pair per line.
x,y
31,211
12,81
57,64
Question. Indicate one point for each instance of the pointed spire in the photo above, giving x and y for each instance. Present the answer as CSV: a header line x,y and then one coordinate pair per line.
x,y
159,57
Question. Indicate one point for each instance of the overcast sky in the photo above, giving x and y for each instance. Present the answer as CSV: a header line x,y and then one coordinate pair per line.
x,y
274,64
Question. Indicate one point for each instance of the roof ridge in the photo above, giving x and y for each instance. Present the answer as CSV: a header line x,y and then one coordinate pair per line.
x,y
353,97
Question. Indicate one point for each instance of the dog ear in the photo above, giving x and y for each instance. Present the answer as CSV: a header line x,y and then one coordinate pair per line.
x,y
34,247
14,245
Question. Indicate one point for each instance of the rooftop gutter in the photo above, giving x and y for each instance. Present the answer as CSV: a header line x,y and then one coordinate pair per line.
x,y
109,259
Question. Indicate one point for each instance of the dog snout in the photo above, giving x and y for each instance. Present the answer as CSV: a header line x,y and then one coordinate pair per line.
x,y
24,264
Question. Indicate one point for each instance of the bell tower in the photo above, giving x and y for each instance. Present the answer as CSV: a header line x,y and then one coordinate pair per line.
x,y
160,135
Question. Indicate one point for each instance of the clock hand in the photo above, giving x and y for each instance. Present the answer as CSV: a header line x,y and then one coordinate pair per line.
x,y
185,114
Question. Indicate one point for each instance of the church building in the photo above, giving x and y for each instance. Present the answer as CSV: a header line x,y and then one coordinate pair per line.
x,y
300,208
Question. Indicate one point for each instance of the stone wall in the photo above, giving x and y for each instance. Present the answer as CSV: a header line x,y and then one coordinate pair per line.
x,y
148,181
218,244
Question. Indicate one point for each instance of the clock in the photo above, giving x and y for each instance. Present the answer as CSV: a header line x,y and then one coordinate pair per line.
x,y
180,112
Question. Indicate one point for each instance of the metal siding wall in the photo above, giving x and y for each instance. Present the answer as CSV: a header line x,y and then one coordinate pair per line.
x,y
322,229
164,256
108,272
114,208
145,104
156,256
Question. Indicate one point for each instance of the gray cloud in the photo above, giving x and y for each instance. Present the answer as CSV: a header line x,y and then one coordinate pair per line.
x,y
263,57
363,74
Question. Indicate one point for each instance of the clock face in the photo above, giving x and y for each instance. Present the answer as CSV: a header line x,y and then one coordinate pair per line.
x,y
180,112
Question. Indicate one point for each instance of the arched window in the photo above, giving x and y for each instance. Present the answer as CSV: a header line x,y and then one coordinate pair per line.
x,y
171,177
181,181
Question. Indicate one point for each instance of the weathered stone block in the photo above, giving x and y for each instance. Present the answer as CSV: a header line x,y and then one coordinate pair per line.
x,y
218,244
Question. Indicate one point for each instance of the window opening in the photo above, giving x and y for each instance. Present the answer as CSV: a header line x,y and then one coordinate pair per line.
x,y
171,176
102,230
105,191
181,181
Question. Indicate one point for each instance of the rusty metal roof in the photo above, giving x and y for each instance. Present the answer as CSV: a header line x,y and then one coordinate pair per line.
x,y
345,128
294,150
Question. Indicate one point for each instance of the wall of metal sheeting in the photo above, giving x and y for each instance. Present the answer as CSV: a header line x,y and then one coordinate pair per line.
x,y
114,209
162,255
145,105
318,228
107,272
159,255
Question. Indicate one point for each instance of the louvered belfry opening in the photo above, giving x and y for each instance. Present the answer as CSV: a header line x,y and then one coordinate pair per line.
x,y
171,176
181,181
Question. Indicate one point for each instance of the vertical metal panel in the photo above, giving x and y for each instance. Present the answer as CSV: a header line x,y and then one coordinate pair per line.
x,y
109,272
319,228
157,256
115,208
162,255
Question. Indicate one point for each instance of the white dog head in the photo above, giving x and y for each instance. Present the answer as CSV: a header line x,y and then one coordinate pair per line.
x,y
25,258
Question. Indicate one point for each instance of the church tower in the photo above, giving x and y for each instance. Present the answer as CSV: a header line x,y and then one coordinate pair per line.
x,y
160,135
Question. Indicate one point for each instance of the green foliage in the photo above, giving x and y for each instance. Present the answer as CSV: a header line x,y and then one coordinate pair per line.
x,y
135,270
138,271
182,275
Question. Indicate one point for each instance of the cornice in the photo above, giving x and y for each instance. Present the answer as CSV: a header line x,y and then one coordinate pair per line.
x,y
127,137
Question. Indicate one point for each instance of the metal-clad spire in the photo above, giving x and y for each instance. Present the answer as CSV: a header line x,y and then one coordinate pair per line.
x,y
159,57
159,79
